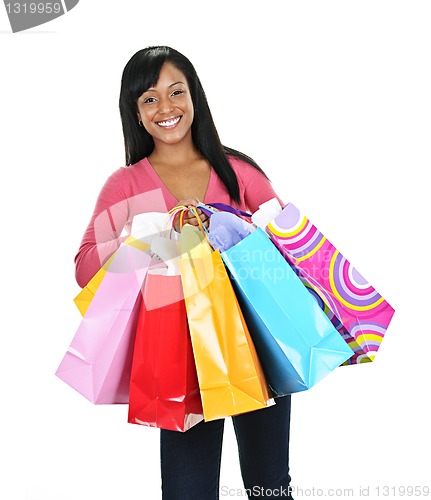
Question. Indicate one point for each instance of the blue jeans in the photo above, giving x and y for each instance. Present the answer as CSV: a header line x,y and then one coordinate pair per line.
x,y
190,461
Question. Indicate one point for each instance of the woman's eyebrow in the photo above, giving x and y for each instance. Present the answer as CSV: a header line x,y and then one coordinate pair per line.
x,y
152,89
176,83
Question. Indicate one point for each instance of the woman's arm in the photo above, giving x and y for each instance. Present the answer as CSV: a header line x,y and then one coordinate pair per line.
x,y
255,187
103,234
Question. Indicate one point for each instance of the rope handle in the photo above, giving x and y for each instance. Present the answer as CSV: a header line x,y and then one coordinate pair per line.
x,y
195,213
208,209
179,209
182,210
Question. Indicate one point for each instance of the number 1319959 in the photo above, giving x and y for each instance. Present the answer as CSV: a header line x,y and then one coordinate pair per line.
x,y
402,491
34,8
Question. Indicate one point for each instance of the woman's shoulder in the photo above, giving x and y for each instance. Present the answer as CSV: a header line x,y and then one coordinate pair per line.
x,y
243,169
239,163
124,182
125,173
127,170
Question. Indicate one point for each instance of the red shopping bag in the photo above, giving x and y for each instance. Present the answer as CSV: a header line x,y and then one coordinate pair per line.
x,y
164,389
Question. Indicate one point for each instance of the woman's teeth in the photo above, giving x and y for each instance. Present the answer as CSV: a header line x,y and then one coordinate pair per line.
x,y
169,123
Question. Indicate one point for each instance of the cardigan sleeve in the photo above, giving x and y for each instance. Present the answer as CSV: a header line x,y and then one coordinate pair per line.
x,y
255,187
103,234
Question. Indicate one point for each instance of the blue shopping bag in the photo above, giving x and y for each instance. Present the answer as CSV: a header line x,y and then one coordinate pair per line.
x,y
295,341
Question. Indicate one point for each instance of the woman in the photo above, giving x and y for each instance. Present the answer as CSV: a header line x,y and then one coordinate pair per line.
x,y
174,156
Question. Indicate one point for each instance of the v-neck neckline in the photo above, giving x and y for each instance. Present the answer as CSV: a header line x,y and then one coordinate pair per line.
x,y
165,190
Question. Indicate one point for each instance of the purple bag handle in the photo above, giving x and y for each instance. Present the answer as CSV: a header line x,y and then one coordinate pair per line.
x,y
224,208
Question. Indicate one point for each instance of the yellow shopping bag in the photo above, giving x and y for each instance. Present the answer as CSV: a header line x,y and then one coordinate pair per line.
x,y
85,296
231,379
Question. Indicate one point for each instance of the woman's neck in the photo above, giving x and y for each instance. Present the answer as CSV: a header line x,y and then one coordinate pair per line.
x,y
174,154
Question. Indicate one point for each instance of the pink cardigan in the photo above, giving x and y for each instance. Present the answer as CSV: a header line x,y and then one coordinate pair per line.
x,y
137,189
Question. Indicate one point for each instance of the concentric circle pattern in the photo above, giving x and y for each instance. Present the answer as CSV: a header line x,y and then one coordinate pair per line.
x,y
355,308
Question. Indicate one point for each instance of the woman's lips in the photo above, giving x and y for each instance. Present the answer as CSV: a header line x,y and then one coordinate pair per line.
x,y
170,123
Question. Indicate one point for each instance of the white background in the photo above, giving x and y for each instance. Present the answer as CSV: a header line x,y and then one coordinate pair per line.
x,y
332,98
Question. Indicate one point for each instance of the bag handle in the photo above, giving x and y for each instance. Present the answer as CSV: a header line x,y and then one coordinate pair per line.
x,y
173,212
207,209
182,210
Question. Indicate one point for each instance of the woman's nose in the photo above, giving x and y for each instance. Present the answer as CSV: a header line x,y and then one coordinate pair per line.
x,y
165,105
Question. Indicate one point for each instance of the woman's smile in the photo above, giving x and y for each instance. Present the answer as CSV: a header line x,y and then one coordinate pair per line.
x,y
166,108
170,122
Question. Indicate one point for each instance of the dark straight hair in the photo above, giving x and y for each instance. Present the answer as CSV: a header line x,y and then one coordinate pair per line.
x,y
142,72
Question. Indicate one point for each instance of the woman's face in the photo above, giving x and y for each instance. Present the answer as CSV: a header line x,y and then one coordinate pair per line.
x,y
166,110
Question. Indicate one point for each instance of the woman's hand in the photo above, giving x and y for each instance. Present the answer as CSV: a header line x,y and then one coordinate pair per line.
x,y
189,217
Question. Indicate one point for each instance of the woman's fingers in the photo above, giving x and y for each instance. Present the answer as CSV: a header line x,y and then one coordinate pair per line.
x,y
190,216
204,219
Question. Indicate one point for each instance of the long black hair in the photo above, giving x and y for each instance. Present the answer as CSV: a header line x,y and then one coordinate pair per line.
x,y
142,72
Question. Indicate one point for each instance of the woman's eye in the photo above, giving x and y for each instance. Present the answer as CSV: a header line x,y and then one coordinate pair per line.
x,y
149,100
177,92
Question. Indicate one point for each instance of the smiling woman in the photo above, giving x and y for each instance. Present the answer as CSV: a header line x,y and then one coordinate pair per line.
x,y
174,156
145,84
166,110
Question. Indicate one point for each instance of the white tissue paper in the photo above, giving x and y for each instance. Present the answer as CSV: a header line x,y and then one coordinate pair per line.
x,y
266,213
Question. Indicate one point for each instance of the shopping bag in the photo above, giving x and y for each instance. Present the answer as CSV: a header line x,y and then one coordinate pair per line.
x,y
357,310
85,296
164,389
295,341
230,376
98,361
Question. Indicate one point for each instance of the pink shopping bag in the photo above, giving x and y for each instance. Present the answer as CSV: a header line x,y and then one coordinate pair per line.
x,y
356,309
98,361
